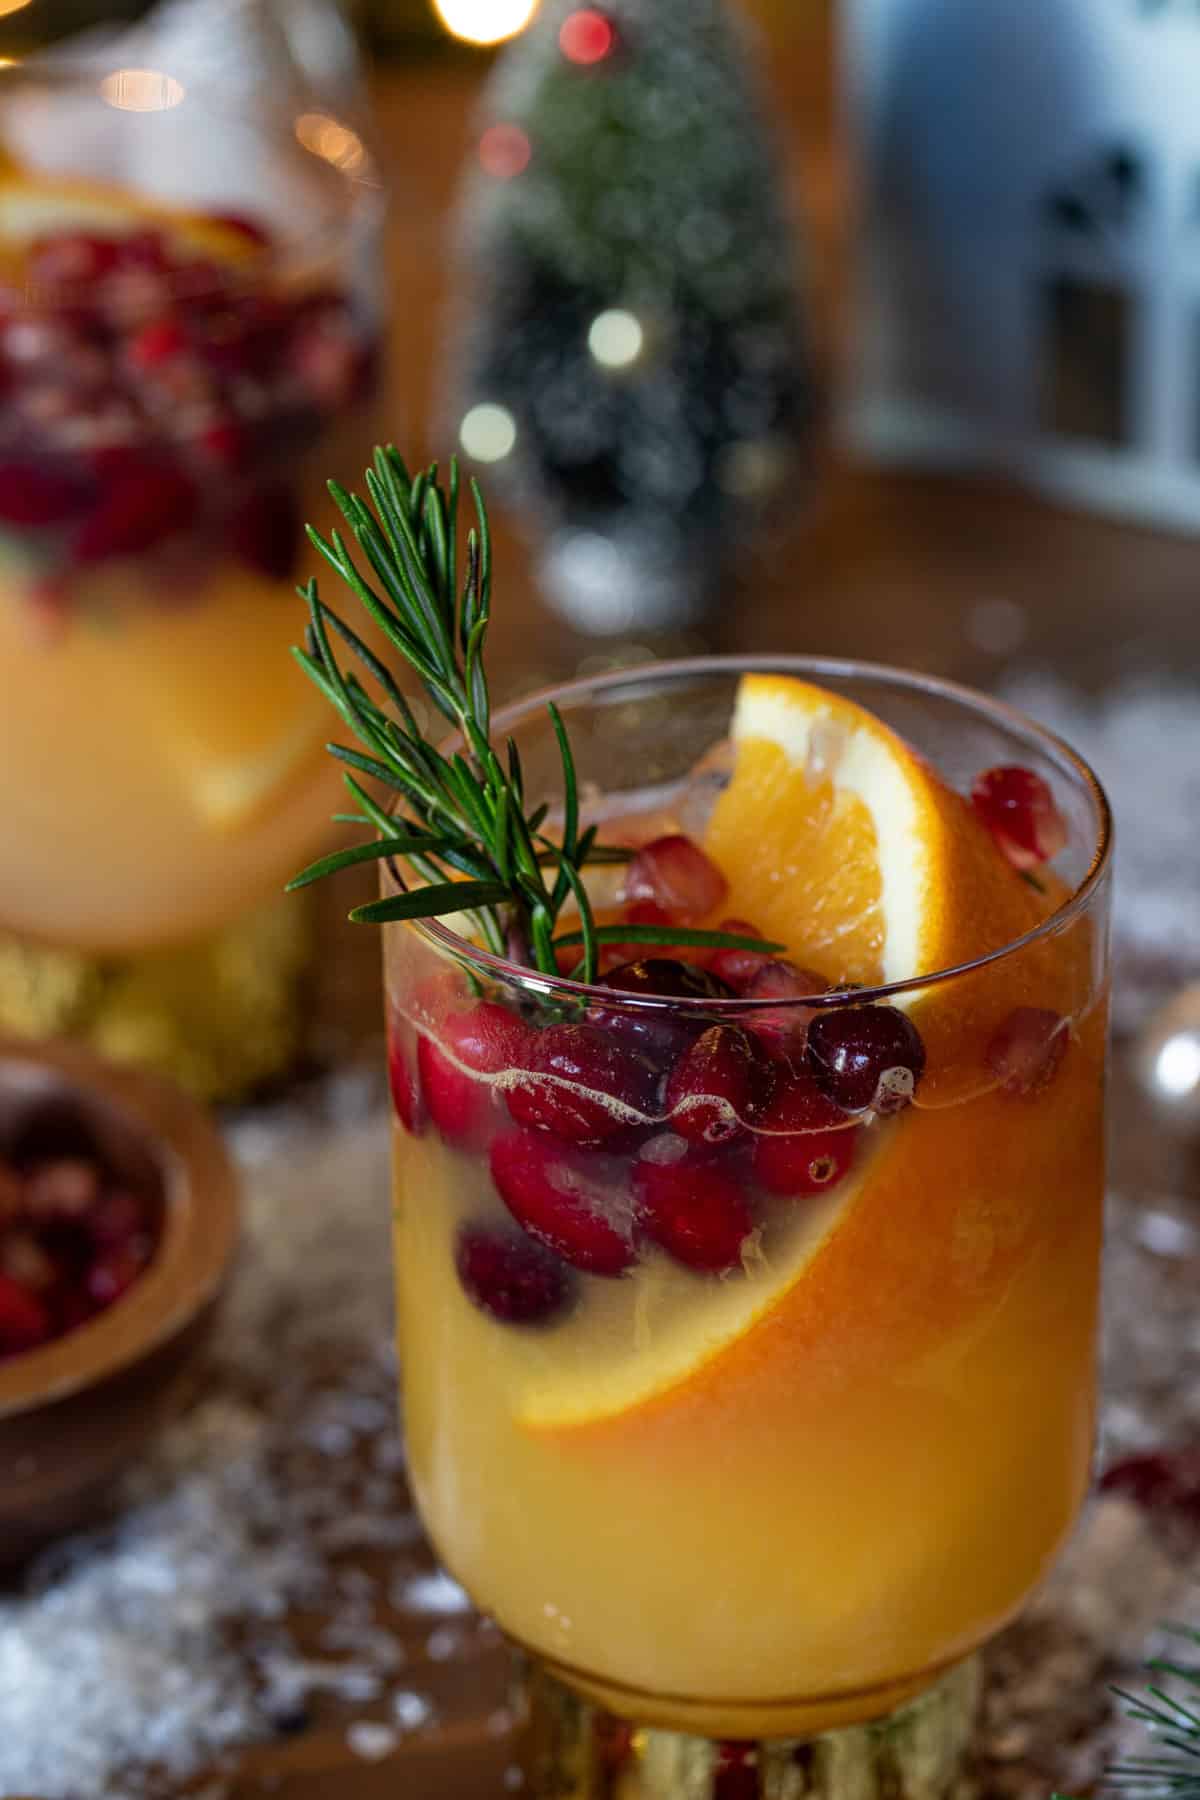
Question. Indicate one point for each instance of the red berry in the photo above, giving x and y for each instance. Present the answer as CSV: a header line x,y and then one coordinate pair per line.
x,y
118,1219
666,978
693,1210
158,343
485,1040
570,1200
866,1056
1018,809
677,875
641,912
1026,1050
70,258
406,1099
508,1275
144,250
738,967
113,1273
735,1775
797,1149
24,1321
783,1029
34,496
719,1085
137,512
224,444
661,1032
575,1072
266,532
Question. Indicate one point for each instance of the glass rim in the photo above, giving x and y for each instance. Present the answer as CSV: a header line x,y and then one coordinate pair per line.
x,y
364,188
1011,717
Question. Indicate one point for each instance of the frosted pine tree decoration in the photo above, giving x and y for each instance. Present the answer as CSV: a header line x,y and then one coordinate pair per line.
x,y
630,356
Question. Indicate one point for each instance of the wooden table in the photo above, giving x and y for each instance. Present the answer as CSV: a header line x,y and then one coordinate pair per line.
x,y
890,566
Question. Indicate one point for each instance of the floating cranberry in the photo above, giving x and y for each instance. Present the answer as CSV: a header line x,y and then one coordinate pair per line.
x,y
33,496
738,967
719,1085
1018,809
136,513
695,1211
662,1032
803,1144
665,977
266,532
406,1099
866,1056
570,1200
24,1321
485,1040
677,875
508,1275
574,1075
1025,1052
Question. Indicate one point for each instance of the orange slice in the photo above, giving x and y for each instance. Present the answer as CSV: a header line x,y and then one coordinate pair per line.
x,y
32,205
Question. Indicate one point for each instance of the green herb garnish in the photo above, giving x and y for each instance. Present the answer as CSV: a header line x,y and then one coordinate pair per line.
x,y
460,822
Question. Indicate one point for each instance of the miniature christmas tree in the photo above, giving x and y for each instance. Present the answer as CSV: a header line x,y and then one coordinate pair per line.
x,y
632,358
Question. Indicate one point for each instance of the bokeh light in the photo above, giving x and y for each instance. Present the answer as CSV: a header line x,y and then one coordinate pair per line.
x,y
11,6
586,36
333,142
488,432
504,151
142,90
616,338
485,21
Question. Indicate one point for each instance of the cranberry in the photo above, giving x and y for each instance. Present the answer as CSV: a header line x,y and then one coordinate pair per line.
x,y
570,1200
145,250
719,1085
1026,1050
136,513
224,444
669,979
866,1056
71,258
799,1148
24,1321
406,1098
573,1071
485,1040
155,344
663,1033
117,1219
738,967
113,1273
326,358
677,875
1018,809
695,1211
33,496
508,1275
266,532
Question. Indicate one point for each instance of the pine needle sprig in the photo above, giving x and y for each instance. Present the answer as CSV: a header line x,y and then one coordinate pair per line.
x,y
458,819
1174,1727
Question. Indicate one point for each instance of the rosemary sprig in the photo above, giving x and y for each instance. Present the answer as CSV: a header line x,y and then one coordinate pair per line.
x,y
459,821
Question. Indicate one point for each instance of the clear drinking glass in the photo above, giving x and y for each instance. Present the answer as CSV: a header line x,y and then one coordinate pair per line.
x,y
190,341
750,1527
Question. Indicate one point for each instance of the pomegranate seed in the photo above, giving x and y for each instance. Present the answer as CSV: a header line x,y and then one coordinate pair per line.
x,y
642,912
573,1072
510,1276
113,1273
483,1041
1018,809
738,967
797,1149
158,343
137,512
720,1084
569,1200
677,875
1025,1052
784,1029
266,532
24,1321
866,1056
34,496
694,1211
406,1098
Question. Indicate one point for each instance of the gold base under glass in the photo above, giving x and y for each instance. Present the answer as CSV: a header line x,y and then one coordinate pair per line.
x,y
573,1750
220,1014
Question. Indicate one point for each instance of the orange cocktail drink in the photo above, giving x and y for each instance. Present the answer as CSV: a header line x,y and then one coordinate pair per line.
x,y
747,1302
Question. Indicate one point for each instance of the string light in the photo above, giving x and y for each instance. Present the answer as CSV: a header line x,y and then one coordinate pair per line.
x,y
142,90
504,151
485,21
586,37
488,432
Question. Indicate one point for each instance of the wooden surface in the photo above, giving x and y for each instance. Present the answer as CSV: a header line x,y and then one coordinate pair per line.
x,y
879,565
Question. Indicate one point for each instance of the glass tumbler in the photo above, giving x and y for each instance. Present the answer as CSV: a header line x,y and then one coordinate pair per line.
x,y
749,1525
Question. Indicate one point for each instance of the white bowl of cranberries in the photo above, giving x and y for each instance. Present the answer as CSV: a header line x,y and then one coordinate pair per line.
x,y
118,1223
